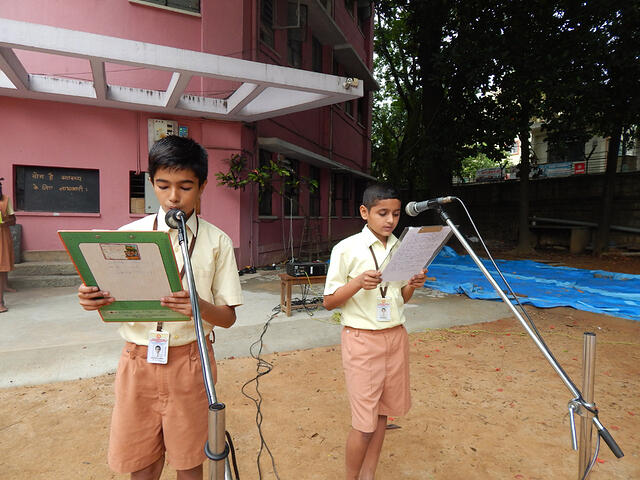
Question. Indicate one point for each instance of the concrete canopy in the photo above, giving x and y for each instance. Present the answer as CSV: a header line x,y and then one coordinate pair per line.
x,y
288,149
259,90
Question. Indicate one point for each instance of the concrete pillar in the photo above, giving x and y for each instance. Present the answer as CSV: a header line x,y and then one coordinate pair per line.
x,y
580,238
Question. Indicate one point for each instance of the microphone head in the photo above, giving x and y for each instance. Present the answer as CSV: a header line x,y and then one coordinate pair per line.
x,y
173,216
410,209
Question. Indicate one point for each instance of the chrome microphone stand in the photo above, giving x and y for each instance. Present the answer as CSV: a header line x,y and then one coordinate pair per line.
x,y
216,449
577,405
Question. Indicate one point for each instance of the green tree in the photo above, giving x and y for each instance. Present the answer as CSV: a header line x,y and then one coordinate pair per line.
x,y
467,77
470,165
596,89
396,125
276,176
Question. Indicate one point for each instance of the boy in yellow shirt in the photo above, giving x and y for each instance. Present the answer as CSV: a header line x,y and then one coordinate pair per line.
x,y
161,410
375,348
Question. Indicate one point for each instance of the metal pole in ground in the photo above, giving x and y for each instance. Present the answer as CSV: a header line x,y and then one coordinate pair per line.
x,y
586,421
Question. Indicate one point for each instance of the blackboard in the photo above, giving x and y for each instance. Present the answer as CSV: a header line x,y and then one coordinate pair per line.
x,y
49,189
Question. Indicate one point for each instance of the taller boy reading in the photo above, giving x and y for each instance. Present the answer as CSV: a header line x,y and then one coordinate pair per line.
x,y
375,347
161,406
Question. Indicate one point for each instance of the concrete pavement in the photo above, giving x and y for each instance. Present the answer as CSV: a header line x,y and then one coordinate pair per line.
x,y
46,336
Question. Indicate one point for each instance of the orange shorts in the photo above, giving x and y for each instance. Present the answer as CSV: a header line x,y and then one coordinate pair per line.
x,y
376,368
158,409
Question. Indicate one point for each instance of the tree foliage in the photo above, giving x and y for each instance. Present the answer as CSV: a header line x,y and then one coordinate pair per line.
x,y
272,176
463,78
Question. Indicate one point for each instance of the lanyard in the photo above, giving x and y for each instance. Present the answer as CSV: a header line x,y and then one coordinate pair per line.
x,y
383,291
191,246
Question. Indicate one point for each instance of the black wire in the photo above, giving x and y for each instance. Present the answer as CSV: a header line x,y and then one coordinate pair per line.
x,y
309,304
262,369
233,455
593,460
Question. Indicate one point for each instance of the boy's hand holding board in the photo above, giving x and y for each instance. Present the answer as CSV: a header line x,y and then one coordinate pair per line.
x,y
128,276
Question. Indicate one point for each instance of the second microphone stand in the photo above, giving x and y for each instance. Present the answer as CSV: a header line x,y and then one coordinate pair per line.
x,y
578,403
216,448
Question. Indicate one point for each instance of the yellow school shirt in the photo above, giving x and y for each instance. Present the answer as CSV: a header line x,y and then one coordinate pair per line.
x,y
350,258
215,275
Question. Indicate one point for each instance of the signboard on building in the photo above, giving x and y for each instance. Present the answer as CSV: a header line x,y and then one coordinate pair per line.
x,y
579,168
560,169
488,174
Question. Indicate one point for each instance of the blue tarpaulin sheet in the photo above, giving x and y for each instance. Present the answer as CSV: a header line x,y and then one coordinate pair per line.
x,y
538,284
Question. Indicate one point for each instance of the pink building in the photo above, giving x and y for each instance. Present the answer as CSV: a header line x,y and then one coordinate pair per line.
x,y
86,86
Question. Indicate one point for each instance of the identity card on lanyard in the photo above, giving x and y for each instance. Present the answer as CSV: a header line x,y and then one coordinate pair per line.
x,y
383,308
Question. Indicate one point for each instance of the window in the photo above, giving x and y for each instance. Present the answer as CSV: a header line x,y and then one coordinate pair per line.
x,y
265,193
136,192
336,67
362,110
348,107
565,150
334,195
359,188
266,23
348,4
192,6
364,15
347,191
296,36
292,192
314,197
316,55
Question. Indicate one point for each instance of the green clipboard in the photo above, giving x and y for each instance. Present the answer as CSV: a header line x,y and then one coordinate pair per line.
x,y
136,268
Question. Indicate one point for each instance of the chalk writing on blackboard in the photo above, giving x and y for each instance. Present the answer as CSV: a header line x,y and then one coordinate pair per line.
x,y
57,189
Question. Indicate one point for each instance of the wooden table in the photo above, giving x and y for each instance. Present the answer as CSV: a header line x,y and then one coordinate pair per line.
x,y
286,281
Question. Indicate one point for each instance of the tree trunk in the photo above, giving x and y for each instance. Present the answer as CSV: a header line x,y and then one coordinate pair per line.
x,y
428,19
608,187
524,235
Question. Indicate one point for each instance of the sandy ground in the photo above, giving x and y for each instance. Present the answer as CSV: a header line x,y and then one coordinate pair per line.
x,y
486,405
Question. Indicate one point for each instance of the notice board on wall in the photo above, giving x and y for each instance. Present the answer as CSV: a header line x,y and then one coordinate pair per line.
x,y
53,189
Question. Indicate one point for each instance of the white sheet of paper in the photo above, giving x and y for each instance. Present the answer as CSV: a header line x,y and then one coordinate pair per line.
x,y
127,278
418,247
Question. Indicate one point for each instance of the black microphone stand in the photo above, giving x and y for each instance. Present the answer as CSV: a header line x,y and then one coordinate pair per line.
x,y
216,448
577,404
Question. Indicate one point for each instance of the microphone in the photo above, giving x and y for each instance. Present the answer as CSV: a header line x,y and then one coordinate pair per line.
x,y
414,208
173,218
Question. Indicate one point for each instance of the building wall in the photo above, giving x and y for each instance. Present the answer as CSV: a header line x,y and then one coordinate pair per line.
x,y
114,141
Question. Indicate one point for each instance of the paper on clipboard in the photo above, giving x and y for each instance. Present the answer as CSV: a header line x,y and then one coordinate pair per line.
x,y
418,248
118,268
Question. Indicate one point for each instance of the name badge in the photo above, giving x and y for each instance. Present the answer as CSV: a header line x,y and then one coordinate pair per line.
x,y
383,313
158,349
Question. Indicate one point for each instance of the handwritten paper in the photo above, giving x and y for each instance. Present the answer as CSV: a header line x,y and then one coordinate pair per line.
x,y
418,248
124,270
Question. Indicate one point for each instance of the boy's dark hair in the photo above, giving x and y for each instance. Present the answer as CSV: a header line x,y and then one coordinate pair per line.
x,y
179,153
376,192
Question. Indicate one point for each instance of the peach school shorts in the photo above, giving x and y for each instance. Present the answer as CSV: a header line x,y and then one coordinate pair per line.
x,y
158,409
376,367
